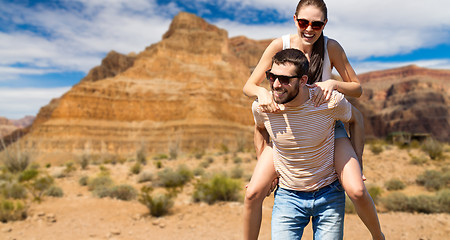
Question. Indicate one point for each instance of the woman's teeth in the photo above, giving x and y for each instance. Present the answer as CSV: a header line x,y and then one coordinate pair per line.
x,y
308,35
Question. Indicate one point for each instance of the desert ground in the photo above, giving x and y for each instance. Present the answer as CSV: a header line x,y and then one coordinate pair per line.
x,y
80,215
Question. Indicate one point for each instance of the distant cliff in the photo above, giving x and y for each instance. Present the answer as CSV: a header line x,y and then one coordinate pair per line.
x,y
409,99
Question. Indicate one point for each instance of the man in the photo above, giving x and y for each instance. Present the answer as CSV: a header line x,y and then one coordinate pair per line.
x,y
303,151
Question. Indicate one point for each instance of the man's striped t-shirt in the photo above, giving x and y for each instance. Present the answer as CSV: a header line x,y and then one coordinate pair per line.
x,y
303,141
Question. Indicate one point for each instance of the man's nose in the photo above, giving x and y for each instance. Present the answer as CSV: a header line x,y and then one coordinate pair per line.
x,y
277,83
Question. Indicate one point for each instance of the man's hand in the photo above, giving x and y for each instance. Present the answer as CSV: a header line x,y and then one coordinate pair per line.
x,y
266,102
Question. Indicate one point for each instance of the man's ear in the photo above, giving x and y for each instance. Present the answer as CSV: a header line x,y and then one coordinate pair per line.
x,y
304,80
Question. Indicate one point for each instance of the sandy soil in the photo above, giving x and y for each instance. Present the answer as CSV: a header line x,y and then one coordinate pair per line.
x,y
79,215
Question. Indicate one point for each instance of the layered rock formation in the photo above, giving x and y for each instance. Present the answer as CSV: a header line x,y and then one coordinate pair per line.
x,y
408,99
183,93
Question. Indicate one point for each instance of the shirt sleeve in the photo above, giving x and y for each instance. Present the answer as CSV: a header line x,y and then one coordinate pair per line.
x,y
257,114
342,108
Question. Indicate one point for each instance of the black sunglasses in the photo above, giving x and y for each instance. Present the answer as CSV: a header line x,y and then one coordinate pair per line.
x,y
315,25
284,80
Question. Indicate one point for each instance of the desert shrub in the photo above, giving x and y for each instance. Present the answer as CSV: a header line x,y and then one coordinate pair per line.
x,y
34,183
349,207
102,191
123,192
11,210
237,172
396,201
141,157
174,150
376,148
158,204
104,171
161,156
158,164
83,181
102,181
423,204
13,189
210,159
237,160
136,168
16,163
145,176
375,192
39,185
172,179
433,148
198,154
219,188
204,164
224,148
420,160
70,167
54,191
434,180
394,184
84,161
28,175
443,198
198,171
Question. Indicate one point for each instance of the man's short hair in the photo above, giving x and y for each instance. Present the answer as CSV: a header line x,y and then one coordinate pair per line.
x,y
294,56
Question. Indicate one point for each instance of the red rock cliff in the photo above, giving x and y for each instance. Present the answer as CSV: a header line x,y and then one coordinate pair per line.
x,y
184,92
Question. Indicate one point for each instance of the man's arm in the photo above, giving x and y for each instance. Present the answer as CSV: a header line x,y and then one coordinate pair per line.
x,y
356,128
261,139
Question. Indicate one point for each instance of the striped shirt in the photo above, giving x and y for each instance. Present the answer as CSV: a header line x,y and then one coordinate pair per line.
x,y
303,141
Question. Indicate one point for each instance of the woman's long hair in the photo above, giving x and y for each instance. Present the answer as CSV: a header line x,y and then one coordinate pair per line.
x,y
318,51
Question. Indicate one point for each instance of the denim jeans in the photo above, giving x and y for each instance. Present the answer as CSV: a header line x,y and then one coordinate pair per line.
x,y
293,210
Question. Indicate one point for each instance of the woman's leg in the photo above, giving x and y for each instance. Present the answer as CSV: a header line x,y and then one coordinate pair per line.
x,y
349,172
257,189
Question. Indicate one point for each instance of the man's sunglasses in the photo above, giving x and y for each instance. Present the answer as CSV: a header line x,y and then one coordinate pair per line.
x,y
284,80
315,25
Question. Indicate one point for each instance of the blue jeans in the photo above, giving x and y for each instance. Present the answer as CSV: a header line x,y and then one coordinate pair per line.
x,y
292,211
339,130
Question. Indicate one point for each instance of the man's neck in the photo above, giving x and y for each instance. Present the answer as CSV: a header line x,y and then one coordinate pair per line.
x,y
302,97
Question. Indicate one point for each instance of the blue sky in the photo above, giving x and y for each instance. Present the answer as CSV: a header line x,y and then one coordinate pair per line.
x,y
48,46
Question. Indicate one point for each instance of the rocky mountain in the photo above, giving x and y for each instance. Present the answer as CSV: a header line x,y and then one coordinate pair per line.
x,y
183,93
408,99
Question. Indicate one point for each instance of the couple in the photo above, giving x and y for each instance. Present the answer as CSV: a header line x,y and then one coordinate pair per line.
x,y
311,152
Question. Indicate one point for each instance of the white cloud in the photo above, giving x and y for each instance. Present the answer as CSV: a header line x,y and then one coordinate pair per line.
x,y
77,40
16,103
368,66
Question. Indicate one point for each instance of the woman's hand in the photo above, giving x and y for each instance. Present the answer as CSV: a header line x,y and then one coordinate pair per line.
x,y
323,91
266,102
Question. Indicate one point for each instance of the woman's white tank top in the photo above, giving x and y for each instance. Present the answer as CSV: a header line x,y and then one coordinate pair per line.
x,y
326,71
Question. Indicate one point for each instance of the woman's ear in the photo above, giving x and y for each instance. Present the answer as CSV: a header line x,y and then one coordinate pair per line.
x,y
295,20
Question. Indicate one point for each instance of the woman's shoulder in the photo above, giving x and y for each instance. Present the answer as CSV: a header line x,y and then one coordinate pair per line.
x,y
275,46
332,44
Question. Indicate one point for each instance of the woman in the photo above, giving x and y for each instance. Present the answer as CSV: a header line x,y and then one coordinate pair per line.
x,y
324,54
